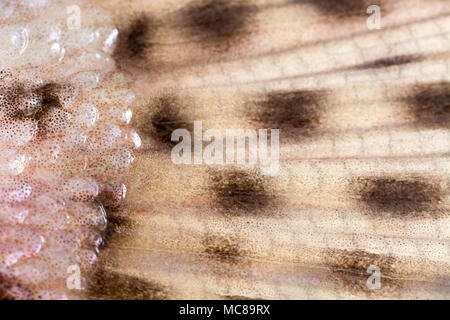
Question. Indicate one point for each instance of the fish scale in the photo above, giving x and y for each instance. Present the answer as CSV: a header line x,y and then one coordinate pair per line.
x,y
65,145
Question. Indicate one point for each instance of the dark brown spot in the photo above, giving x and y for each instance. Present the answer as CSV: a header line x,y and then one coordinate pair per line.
x,y
50,100
41,104
165,117
106,284
32,103
293,112
430,104
111,196
218,22
389,62
49,94
343,8
357,262
400,197
223,249
241,191
349,271
118,226
135,40
8,288
5,286
13,103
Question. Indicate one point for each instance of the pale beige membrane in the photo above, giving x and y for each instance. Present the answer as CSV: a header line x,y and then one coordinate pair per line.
x,y
367,131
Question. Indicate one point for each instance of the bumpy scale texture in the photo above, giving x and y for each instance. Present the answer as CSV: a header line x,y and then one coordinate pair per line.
x,y
64,144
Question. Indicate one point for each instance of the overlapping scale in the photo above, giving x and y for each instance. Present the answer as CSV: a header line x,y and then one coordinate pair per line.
x,y
64,144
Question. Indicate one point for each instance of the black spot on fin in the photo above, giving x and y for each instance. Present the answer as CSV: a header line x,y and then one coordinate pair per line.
x,y
163,117
429,104
400,197
107,284
295,113
241,191
219,23
389,62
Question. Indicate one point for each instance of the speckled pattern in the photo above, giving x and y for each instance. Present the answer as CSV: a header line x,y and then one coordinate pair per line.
x,y
65,144
363,179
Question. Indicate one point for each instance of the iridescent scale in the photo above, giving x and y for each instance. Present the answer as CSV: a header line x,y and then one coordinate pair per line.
x,y
65,143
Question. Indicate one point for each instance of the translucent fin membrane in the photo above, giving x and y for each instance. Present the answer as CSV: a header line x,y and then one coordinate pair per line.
x,y
64,144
